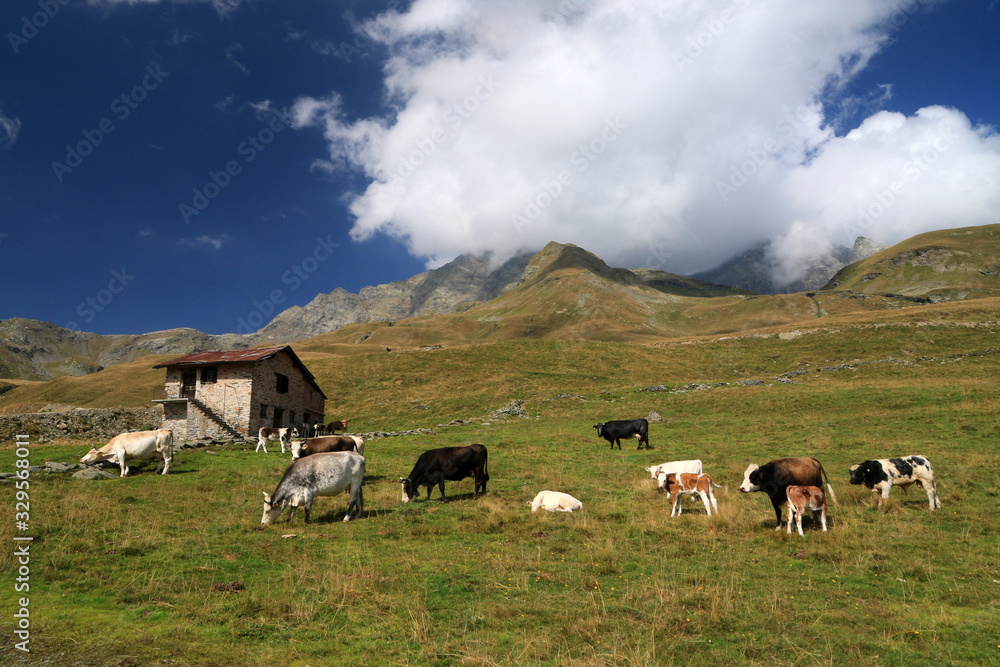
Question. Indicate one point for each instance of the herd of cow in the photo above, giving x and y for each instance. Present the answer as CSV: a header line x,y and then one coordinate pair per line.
x,y
331,465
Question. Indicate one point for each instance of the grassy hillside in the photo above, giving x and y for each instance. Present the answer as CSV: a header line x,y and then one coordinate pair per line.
x,y
153,561
949,264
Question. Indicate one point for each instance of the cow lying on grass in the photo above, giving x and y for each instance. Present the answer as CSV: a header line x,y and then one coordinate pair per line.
x,y
802,498
555,501
137,445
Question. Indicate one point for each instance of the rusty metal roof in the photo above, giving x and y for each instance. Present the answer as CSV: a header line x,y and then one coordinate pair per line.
x,y
224,356
241,356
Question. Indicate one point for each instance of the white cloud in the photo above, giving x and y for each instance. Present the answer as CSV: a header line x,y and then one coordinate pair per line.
x,y
206,241
695,128
10,127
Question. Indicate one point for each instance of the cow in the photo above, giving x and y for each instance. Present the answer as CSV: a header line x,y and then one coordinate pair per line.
x,y
447,463
325,474
282,435
327,443
306,430
678,484
614,431
135,445
693,466
319,429
333,427
774,477
880,475
555,501
802,498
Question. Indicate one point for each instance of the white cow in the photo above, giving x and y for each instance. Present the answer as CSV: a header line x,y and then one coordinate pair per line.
x,y
282,435
693,466
554,501
323,474
136,445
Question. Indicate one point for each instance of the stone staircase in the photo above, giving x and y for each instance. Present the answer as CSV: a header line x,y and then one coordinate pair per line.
x,y
214,416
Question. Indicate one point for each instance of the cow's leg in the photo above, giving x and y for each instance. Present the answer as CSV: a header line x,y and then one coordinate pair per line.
x,y
291,513
711,495
704,500
777,512
798,519
166,463
440,486
791,517
822,516
122,465
884,494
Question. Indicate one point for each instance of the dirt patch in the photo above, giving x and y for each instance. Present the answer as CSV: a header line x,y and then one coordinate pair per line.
x,y
231,587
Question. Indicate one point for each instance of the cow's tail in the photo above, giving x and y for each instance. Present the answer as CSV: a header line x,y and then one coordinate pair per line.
x,y
833,496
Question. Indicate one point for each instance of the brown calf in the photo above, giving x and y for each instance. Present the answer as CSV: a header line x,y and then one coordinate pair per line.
x,y
337,426
678,484
802,498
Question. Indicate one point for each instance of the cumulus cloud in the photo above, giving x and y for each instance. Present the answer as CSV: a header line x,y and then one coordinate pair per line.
x,y
669,134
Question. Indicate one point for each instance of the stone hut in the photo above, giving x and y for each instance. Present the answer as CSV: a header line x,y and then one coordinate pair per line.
x,y
231,394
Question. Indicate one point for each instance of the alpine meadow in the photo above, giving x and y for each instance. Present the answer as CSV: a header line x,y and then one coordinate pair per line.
x,y
897,356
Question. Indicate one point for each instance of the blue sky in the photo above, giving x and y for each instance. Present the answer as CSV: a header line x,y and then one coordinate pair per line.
x,y
208,164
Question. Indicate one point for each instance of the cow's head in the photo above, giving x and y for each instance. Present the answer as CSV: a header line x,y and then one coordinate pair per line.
x,y
93,456
408,490
663,480
857,476
868,473
271,512
751,479
294,432
299,449
600,430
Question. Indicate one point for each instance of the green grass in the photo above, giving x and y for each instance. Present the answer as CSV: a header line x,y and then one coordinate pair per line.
x,y
123,570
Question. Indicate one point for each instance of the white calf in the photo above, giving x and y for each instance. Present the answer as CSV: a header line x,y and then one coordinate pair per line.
x,y
694,466
554,501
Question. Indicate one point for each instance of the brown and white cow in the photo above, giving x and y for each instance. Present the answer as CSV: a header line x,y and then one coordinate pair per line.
x,y
802,498
282,435
686,483
327,443
880,475
774,477
135,445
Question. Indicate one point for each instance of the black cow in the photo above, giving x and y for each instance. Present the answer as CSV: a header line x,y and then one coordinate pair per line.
x,y
614,431
774,478
447,463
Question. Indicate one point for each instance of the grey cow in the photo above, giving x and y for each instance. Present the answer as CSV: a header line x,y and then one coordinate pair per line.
x,y
325,474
